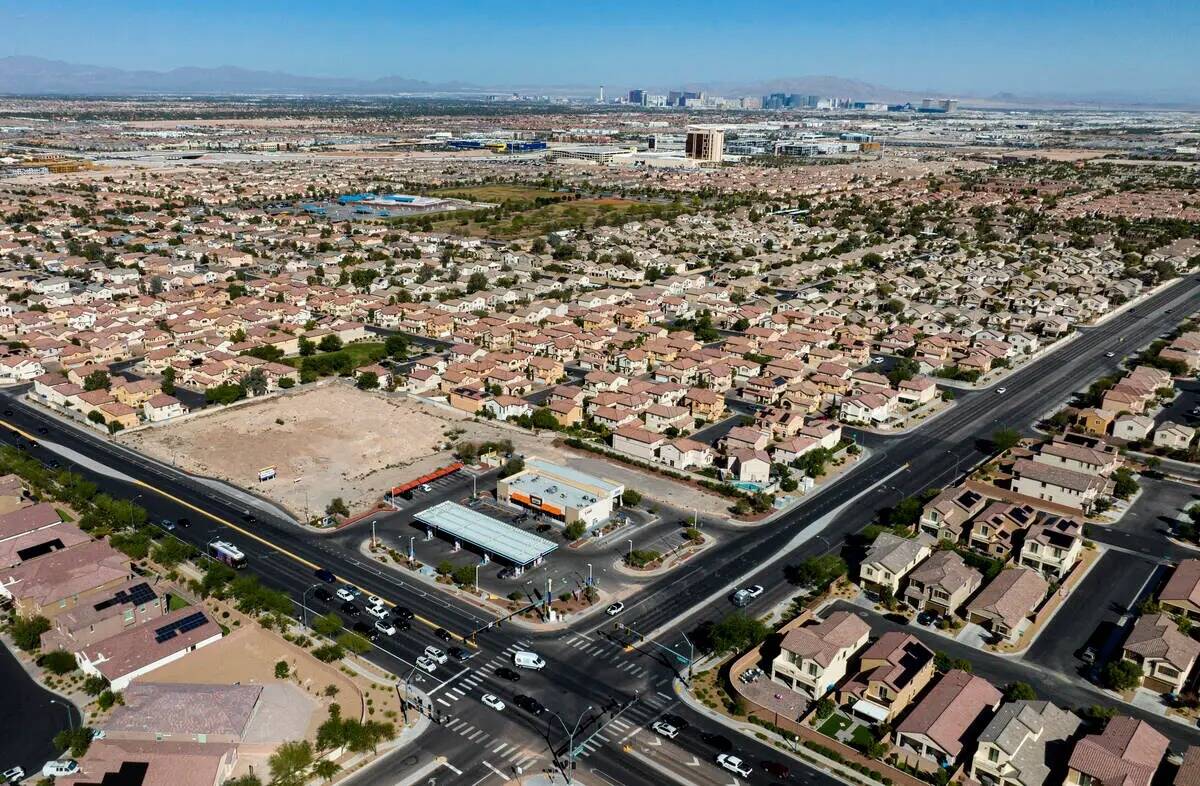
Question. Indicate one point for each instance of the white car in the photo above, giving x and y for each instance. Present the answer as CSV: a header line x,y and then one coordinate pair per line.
x,y
374,600
877,360
15,775
734,765
665,729
1002,391
378,612
60,768
1109,354
434,654
426,488
615,609
754,592
426,664
386,628
492,701
346,594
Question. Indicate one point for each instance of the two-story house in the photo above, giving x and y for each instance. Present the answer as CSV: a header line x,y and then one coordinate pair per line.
x,y
813,658
1017,746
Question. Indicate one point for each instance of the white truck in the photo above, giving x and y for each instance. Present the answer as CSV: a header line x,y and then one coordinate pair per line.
x,y
528,660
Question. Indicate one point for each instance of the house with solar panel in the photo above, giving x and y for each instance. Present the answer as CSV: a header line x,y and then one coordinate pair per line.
x,y
103,615
142,649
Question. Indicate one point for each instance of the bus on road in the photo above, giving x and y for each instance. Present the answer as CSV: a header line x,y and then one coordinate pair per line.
x,y
228,553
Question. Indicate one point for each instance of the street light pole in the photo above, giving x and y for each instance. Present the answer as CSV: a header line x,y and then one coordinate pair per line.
x,y
570,742
589,574
630,552
70,715
304,603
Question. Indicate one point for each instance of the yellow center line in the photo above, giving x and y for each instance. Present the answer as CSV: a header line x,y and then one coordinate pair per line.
x,y
257,538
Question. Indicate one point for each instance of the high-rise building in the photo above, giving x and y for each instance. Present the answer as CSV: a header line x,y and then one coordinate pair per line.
x,y
601,99
705,144
637,97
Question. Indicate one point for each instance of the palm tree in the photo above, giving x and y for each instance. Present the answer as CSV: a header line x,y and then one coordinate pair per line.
x,y
326,769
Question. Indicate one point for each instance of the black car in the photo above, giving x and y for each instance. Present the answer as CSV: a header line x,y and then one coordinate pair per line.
x,y
674,720
43,430
184,522
323,594
402,613
529,704
775,769
325,575
350,609
460,654
443,634
8,412
505,673
718,741
366,631
401,624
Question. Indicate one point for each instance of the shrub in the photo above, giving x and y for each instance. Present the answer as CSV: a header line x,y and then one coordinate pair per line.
x,y
282,670
328,653
574,530
27,632
59,662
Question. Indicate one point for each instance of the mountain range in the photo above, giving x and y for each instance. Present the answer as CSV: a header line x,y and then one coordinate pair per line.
x,y
24,75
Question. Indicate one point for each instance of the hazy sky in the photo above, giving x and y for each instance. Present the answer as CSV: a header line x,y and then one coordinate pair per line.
x,y
964,46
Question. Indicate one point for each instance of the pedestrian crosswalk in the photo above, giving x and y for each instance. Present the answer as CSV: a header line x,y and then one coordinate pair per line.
x,y
631,721
510,753
467,684
605,650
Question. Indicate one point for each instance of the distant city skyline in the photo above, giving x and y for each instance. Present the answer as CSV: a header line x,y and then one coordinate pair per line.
x,y
1063,48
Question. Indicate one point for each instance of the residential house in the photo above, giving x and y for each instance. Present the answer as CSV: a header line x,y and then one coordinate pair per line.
x,y
1181,595
1165,654
942,583
947,719
1078,490
1024,745
1174,436
892,672
143,648
1007,602
684,453
638,442
1053,547
889,559
1126,753
945,516
813,658
998,530
61,580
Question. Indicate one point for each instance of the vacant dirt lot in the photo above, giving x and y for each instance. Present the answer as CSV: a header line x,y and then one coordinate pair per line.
x,y
325,441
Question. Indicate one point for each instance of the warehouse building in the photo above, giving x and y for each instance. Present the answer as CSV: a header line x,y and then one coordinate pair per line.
x,y
561,493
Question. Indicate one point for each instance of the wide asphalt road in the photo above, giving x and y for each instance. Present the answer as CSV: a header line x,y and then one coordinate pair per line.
x,y
30,716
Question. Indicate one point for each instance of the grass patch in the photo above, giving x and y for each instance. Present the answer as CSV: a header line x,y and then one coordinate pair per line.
x,y
64,515
363,353
529,212
175,603
862,737
834,724
499,192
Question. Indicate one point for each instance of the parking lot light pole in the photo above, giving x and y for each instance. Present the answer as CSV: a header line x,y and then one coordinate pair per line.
x,y
70,715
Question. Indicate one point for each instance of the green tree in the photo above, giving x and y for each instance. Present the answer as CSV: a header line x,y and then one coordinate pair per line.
x,y
337,507
817,572
630,498
172,551
226,393
326,770
1124,484
543,418
1005,439
290,763
1122,675
254,382
59,662
74,741
307,347
168,381
327,624
396,346
574,531
352,642
97,380
476,282
282,670
737,632
367,380
330,342
1020,691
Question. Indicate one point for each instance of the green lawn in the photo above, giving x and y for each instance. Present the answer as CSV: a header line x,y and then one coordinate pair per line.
x,y
833,724
862,736
175,603
363,353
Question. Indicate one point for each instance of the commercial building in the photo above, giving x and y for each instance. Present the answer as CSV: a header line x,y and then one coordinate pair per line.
x,y
705,144
490,537
637,97
597,154
561,493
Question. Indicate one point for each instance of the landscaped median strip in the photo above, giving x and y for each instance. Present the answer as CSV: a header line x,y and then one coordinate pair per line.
x,y
257,538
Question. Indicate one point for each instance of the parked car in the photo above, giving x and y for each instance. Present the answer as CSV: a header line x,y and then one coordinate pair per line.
x,y
1088,655
927,617
425,487
490,700
15,774
184,522
168,525
60,768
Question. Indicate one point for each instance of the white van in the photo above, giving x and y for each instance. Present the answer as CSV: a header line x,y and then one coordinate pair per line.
x,y
528,660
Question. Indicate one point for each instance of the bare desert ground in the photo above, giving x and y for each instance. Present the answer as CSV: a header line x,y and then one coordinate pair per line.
x,y
325,441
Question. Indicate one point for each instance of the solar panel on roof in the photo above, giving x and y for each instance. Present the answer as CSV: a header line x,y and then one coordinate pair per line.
x,y
135,596
169,631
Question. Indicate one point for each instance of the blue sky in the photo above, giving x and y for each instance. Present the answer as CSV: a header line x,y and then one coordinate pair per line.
x,y
965,46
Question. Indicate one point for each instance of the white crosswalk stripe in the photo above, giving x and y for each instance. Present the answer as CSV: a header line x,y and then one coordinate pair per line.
x,y
500,748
